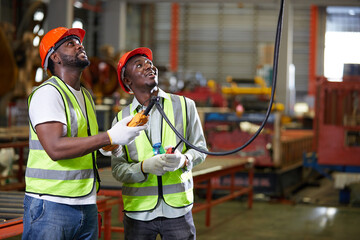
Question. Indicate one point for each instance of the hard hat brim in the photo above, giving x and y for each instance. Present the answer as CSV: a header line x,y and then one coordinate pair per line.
x,y
75,31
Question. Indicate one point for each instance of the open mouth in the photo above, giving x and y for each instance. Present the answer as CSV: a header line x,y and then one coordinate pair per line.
x,y
150,74
82,53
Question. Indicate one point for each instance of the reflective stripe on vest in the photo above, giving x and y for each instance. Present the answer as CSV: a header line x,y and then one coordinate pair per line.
x,y
153,190
69,177
177,187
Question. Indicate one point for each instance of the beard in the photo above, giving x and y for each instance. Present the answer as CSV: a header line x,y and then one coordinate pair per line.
x,y
74,61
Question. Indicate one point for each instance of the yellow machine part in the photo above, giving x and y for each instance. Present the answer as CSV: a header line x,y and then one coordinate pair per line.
x,y
278,107
235,89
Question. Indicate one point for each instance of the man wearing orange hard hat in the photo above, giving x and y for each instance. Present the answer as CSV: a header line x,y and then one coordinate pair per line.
x,y
157,188
61,175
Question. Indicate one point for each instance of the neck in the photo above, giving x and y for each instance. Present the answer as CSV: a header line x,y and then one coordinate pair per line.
x,y
144,97
70,76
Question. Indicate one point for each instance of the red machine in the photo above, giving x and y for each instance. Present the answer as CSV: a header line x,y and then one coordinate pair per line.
x,y
204,96
337,122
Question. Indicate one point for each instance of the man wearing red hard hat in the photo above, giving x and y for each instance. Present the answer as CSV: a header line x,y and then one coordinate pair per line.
x,y
61,175
157,188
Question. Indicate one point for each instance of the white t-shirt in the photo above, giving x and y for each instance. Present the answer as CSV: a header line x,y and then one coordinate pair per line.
x,y
47,106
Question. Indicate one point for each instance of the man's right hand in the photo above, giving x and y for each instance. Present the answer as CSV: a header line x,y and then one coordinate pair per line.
x,y
154,165
121,134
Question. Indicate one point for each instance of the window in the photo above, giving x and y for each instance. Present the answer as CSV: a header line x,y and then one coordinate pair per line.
x,y
342,42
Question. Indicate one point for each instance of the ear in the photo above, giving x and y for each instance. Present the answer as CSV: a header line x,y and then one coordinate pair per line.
x,y
127,81
55,57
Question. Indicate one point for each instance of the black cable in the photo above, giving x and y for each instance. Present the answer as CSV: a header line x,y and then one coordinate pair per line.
x,y
151,104
274,77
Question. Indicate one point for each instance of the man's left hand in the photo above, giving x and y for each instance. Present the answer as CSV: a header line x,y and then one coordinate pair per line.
x,y
174,161
117,152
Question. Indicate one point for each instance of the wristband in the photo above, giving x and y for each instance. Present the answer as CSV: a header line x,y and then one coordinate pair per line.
x,y
111,142
141,167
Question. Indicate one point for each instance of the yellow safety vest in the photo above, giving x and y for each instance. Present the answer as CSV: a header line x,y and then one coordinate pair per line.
x,y
176,188
68,177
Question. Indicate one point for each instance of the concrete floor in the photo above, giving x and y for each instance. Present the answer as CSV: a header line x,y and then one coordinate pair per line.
x,y
232,221
279,221
314,213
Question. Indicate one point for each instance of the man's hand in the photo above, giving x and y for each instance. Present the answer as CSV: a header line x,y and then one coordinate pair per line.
x,y
174,161
121,134
116,152
154,165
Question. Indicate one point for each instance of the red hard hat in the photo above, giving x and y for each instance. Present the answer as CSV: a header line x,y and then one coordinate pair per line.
x,y
52,37
123,60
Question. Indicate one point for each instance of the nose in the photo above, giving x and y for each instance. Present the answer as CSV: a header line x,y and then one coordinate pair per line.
x,y
155,69
79,46
148,64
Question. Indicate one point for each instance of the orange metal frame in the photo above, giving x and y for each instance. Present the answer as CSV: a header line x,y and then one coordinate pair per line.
x,y
11,228
174,37
105,205
312,49
118,195
211,184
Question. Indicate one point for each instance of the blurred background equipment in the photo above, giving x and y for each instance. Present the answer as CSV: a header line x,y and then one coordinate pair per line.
x,y
337,122
8,69
101,78
19,50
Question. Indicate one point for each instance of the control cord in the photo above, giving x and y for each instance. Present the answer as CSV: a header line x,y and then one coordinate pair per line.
x,y
274,77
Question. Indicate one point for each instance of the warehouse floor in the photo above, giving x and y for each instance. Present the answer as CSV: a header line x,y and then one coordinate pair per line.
x,y
312,213
232,221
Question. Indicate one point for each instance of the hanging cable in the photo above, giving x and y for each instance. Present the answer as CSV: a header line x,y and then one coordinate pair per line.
x,y
274,77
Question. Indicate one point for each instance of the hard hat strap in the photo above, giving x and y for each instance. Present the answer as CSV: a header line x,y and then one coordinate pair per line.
x,y
123,76
51,50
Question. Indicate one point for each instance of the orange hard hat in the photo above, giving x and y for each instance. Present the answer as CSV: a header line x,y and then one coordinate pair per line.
x,y
123,60
48,42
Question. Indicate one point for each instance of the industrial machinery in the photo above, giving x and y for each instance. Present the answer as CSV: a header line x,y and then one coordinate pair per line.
x,y
205,96
337,122
20,51
248,100
253,94
231,117
101,78
337,134
277,152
